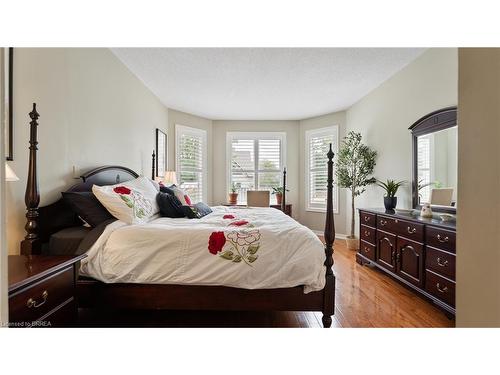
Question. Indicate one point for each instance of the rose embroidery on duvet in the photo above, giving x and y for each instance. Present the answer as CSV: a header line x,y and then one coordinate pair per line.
x,y
228,217
216,242
239,245
140,205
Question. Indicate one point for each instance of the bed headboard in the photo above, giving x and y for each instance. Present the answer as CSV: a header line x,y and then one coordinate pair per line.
x,y
106,175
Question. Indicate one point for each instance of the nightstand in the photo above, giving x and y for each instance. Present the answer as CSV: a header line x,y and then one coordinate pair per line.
x,y
288,208
42,290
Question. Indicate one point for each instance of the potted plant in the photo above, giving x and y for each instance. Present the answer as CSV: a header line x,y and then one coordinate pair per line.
x,y
233,195
391,188
278,191
355,164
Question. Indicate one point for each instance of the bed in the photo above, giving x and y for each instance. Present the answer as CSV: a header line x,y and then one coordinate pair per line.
x,y
169,264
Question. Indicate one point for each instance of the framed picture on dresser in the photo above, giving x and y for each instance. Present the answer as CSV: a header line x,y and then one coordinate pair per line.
x,y
8,71
161,153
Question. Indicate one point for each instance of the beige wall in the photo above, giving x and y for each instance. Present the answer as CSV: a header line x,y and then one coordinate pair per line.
x,y
93,111
291,128
384,115
478,243
186,119
316,220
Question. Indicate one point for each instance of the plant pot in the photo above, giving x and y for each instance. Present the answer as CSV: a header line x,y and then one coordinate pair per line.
x,y
352,243
390,203
279,197
233,198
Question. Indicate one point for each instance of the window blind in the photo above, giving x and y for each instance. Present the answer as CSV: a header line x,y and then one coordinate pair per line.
x,y
190,160
256,162
424,167
317,145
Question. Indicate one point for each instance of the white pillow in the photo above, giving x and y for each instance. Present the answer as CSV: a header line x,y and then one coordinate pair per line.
x,y
133,202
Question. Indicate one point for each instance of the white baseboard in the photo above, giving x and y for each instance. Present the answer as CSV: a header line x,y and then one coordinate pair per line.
x,y
338,236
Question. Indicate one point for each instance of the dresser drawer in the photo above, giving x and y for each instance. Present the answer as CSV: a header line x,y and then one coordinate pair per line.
x,y
440,262
440,238
40,298
367,218
412,231
440,287
367,234
387,224
366,249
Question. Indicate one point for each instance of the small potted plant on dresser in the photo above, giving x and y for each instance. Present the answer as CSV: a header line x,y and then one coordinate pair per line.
x,y
391,188
278,191
233,195
355,164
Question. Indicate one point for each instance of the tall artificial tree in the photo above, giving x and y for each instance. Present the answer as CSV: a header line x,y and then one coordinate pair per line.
x,y
355,164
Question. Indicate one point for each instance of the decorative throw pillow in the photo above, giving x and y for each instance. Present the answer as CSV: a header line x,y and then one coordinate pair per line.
x,y
133,202
166,189
169,205
202,208
86,206
181,195
196,211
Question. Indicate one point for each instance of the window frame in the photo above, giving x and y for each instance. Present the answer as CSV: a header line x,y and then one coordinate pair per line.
x,y
255,136
179,131
311,133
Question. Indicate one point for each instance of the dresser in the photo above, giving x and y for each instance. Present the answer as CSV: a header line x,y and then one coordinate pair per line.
x,y
416,251
42,290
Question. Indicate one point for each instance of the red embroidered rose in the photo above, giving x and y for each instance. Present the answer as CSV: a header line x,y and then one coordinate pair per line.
x,y
216,242
122,190
228,217
239,223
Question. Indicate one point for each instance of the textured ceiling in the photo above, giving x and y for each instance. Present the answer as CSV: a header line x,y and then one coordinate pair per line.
x,y
263,83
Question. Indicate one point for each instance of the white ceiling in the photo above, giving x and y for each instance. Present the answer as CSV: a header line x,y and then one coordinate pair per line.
x,y
263,83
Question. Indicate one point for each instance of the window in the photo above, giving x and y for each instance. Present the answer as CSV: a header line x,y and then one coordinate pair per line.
x,y
255,162
190,160
425,150
317,145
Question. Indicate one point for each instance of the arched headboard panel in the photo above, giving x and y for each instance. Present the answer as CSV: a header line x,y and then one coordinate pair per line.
x,y
107,175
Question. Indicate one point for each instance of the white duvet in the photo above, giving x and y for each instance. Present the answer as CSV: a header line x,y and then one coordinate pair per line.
x,y
251,248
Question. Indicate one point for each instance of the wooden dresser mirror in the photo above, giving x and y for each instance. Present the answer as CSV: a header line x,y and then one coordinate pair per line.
x,y
434,149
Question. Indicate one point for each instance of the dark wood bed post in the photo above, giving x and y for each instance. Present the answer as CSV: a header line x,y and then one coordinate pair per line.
x,y
283,202
31,243
153,165
329,291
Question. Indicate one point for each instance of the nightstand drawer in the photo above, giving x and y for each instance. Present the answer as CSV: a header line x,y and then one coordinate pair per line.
x,y
40,298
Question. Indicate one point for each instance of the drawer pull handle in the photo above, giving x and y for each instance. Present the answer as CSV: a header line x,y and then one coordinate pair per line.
x,y
441,264
367,250
33,303
441,290
367,233
367,218
411,230
441,239
383,222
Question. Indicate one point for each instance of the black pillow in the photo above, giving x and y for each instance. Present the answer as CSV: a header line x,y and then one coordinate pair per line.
x,y
165,189
86,206
170,205
196,211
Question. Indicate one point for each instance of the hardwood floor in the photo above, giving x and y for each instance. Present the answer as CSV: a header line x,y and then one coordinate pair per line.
x,y
365,297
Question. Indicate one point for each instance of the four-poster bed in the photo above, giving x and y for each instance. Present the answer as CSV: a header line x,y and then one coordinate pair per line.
x,y
44,221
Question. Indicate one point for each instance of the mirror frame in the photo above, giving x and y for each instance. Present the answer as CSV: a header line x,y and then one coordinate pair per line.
x,y
435,121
